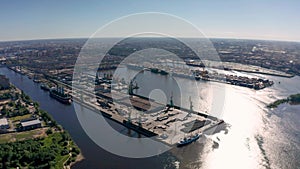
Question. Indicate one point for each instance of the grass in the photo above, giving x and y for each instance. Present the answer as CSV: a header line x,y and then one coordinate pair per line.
x,y
25,135
56,141
53,145
61,161
48,140
19,118
4,138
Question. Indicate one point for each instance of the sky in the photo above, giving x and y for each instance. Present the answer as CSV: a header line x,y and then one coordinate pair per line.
x,y
246,19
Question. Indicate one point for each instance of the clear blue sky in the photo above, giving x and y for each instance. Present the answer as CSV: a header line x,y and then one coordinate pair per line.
x,y
256,19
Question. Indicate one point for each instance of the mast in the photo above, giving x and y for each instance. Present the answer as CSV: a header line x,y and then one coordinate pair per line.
x,y
130,88
129,121
171,101
140,125
191,107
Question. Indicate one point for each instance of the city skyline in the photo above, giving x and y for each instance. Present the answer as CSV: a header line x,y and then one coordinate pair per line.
x,y
216,19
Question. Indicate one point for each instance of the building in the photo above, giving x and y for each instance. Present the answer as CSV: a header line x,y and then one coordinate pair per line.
x,y
30,124
4,124
4,82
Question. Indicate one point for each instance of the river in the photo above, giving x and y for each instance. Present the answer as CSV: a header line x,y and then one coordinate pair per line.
x,y
256,137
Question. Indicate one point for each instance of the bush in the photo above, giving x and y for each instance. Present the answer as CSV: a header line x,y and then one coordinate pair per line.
x,y
64,152
49,131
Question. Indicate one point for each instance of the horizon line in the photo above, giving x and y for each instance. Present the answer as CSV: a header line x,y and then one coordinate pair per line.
x,y
208,37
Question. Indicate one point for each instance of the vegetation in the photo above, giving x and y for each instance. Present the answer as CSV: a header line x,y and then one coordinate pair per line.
x,y
19,118
17,108
292,99
49,152
46,147
20,136
5,96
277,103
47,118
25,98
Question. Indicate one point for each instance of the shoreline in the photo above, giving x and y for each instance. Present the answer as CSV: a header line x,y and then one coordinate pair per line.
x,y
79,158
293,99
40,133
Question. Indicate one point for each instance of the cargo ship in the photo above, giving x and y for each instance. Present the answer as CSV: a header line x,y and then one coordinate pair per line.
x,y
60,95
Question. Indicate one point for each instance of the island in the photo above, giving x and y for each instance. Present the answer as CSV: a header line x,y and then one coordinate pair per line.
x,y
292,99
29,136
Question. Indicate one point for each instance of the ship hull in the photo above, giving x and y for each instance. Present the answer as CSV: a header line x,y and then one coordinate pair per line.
x,y
60,99
195,138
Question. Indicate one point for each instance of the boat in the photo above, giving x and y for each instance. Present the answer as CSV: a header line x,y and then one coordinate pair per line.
x,y
159,71
36,80
135,67
154,70
59,95
162,72
188,140
45,87
197,77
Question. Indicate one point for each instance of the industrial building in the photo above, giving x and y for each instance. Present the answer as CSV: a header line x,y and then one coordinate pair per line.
x,y
4,124
30,124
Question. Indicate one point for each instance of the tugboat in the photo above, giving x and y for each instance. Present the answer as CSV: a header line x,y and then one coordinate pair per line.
x,y
197,77
188,140
60,95
36,79
45,87
154,70
162,72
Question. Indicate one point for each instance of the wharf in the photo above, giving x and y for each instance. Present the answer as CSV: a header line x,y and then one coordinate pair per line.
x,y
165,124
243,81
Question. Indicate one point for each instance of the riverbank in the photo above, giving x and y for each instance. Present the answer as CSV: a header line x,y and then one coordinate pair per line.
x,y
32,132
79,158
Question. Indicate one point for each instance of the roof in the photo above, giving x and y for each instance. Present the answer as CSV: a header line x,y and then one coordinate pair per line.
x,y
31,122
3,122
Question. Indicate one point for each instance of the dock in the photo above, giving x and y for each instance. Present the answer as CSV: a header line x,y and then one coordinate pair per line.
x,y
165,123
204,75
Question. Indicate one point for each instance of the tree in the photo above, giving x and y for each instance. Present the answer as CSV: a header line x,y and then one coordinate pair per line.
x,y
4,110
49,131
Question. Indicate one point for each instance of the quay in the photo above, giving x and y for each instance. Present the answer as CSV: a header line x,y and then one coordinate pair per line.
x,y
165,123
239,67
183,72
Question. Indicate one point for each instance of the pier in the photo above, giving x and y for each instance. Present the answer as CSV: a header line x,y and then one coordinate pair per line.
x,y
205,75
165,123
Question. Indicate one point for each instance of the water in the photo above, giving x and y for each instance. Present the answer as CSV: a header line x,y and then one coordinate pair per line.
x,y
256,137
95,157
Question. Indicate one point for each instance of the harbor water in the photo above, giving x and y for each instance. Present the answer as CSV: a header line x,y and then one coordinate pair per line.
x,y
256,137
